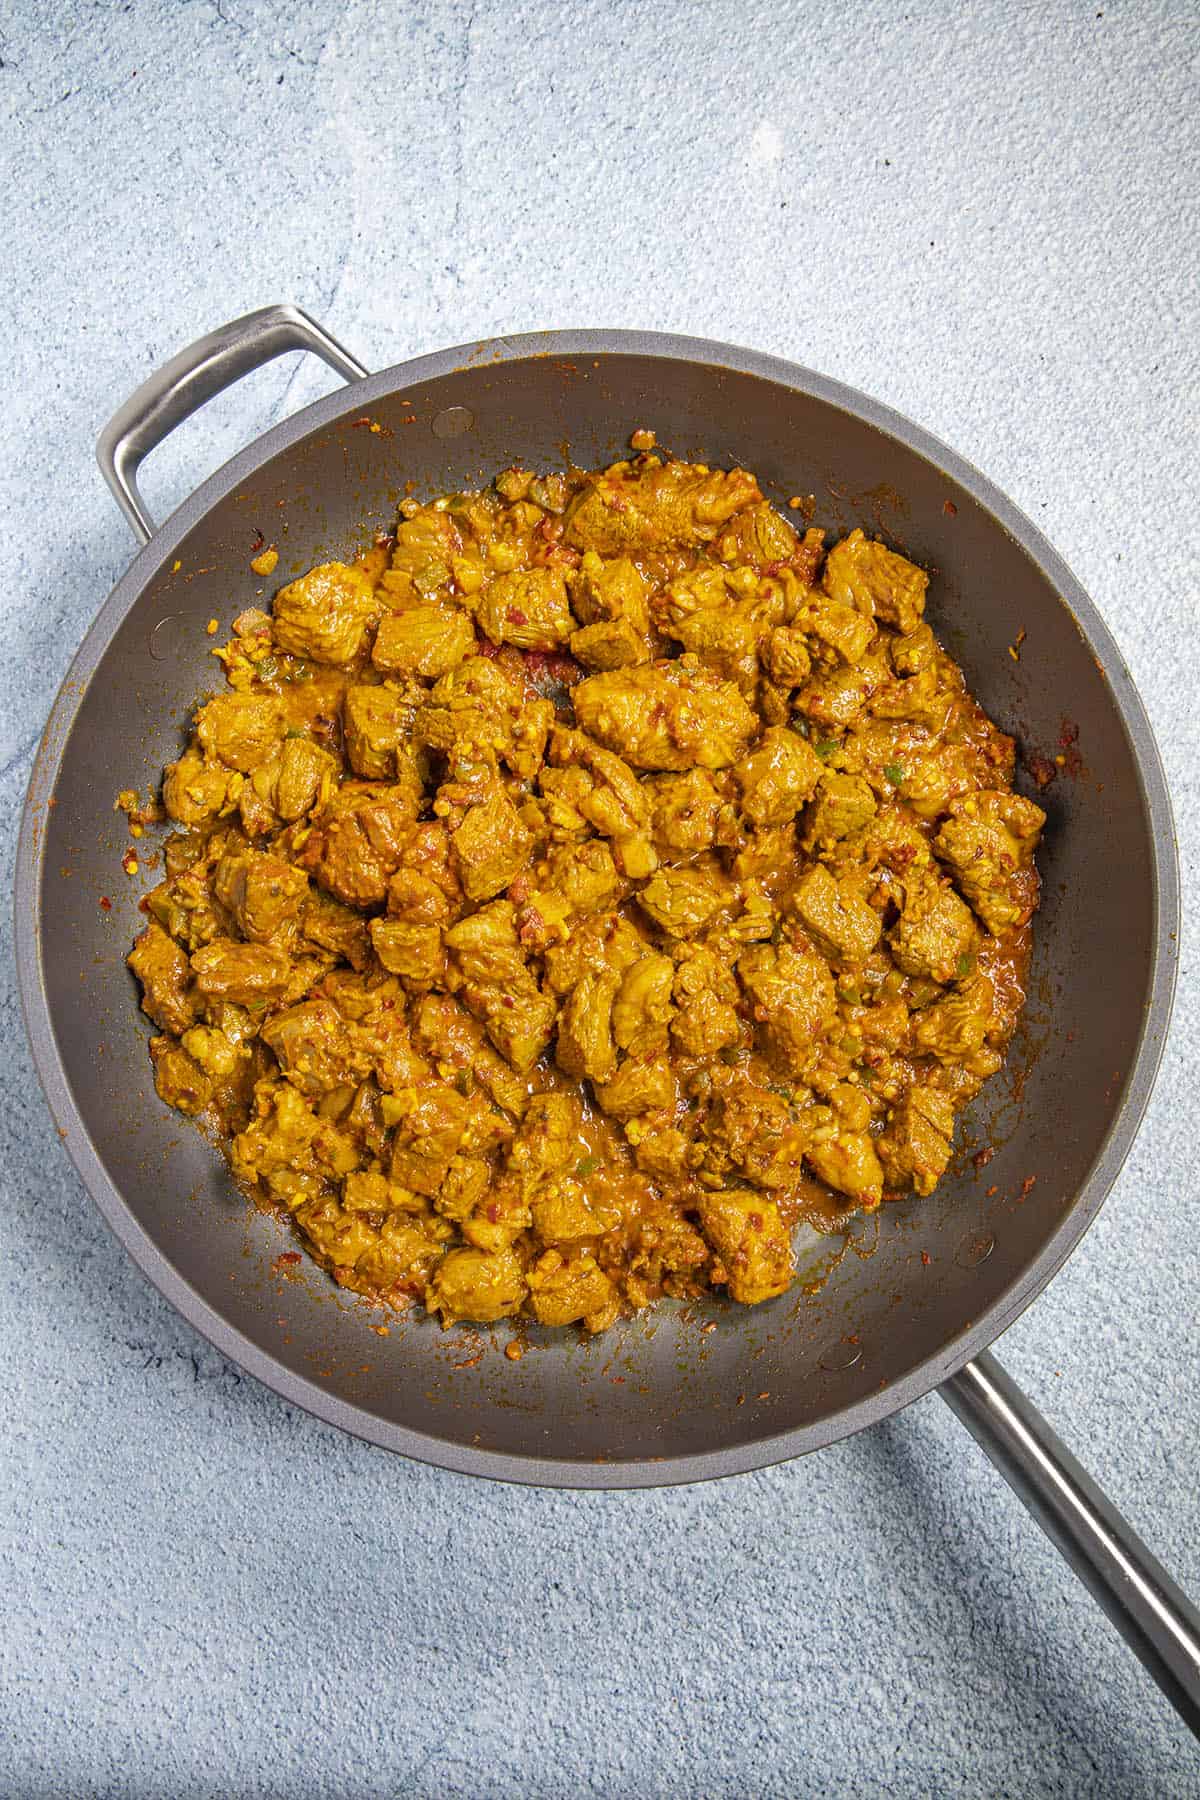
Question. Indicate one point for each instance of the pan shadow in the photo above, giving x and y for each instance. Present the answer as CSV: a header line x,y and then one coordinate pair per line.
x,y
884,1458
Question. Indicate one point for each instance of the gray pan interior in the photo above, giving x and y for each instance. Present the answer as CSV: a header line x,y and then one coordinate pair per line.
x,y
915,1293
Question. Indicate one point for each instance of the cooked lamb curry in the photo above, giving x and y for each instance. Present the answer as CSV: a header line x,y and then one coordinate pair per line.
x,y
592,880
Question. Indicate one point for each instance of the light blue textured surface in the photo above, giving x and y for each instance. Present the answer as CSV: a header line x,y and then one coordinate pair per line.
x,y
986,216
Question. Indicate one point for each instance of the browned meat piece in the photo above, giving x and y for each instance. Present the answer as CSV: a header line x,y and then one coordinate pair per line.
x,y
324,615
245,973
673,715
706,998
315,1049
649,507
915,1147
240,730
935,934
865,574
264,894
529,610
836,916
195,791
413,952
166,978
988,841
747,1233
491,847
791,992
422,640
178,1078
377,720
355,847
778,776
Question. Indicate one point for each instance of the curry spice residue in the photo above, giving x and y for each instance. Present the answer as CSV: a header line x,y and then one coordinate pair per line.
x,y
591,882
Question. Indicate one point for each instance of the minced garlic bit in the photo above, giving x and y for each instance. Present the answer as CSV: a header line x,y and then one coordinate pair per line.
x,y
264,563
211,628
643,439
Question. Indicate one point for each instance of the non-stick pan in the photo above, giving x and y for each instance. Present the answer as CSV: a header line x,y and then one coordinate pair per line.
x,y
912,1301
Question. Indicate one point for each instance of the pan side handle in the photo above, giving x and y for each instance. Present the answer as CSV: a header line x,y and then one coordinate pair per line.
x,y
195,375
1153,1615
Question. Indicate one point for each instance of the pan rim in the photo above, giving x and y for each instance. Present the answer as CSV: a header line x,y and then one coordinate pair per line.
x,y
550,1471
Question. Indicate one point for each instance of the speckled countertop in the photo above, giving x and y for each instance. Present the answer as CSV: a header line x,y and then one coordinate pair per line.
x,y
987,217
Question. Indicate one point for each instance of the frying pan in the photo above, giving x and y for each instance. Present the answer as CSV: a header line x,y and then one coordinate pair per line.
x,y
910,1303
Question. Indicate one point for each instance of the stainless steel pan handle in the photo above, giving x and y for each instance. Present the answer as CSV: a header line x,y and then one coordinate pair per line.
x,y
1153,1615
205,368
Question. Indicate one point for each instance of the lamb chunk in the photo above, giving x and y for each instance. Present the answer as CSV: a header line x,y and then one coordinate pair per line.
x,y
336,928
758,535
627,509
377,720
400,1260
585,1043
425,545
448,1033
642,1009
356,845
486,946
674,715
915,651
528,608
491,846
413,952
663,1155
166,977
466,1182
863,573
685,809
752,1131
476,1284
915,1145
637,1087
935,934
547,1144
244,973
194,791
843,805
954,1029
563,1214
846,1161
840,696
747,1233
519,1020
314,1048
778,776
836,915
603,938
275,1148
240,730
988,841
498,1219
433,1123
303,778
324,615
889,841
417,899
585,877
841,627
725,639
616,803
478,709
264,893
609,644
565,1288
787,659
793,998
610,592
706,996
178,1078
422,640
921,699
186,908
682,901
